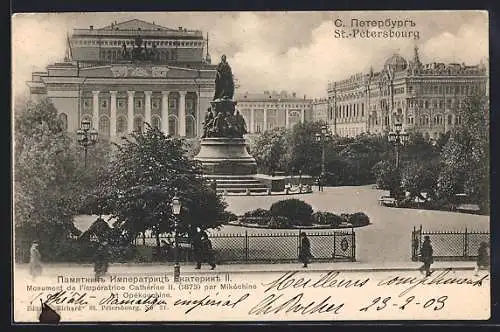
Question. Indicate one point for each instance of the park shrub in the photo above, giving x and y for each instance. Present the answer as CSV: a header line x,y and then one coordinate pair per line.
x,y
298,212
257,216
228,216
327,218
279,222
358,219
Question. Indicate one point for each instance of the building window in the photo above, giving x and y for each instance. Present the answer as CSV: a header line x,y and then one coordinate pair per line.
x,y
138,103
121,125
104,103
190,126
172,125
426,104
104,126
155,104
87,103
156,122
63,118
190,104
450,119
121,103
138,124
458,119
172,103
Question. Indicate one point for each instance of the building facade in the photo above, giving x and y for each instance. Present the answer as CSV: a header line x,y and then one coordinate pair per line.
x,y
424,98
320,110
124,75
268,110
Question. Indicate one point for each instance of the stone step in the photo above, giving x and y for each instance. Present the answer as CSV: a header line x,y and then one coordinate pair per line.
x,y
229,177
221,181
239,185
242,190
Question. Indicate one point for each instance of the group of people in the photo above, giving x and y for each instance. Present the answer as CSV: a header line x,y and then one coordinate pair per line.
x,y
427,257
201,248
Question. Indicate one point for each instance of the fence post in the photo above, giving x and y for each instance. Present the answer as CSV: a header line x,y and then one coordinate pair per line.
x,y
353,258
246,246
334,245
466,244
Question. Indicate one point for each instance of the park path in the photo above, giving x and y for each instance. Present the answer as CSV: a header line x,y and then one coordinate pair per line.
x,y
388,238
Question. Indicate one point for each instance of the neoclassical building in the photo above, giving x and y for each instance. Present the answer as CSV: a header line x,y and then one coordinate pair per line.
x,y
424,97
124,75
271,109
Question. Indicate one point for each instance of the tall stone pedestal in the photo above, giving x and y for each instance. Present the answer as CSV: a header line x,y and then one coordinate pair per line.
x,y
226,156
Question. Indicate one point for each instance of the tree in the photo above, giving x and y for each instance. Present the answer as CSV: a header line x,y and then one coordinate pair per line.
x,y
48,181
305,151
270,150
138,186
465,157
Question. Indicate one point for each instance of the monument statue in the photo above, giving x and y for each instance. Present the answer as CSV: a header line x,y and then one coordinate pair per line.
x,y
223,149
222,120
224,84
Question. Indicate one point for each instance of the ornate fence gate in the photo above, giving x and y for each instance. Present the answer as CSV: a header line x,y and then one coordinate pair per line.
x,y
276,247
449,245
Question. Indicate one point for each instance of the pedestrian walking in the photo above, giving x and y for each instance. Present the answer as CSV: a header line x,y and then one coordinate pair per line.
x,y
101,259
483,258
318,183
197,245
304,249
35,265
208,252
426,256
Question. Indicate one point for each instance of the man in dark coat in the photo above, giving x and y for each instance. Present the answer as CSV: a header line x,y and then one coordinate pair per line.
x,y
305,249
208,251
198,248
426,256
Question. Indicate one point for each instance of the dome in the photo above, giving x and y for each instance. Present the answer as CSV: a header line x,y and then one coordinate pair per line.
x,y
396,62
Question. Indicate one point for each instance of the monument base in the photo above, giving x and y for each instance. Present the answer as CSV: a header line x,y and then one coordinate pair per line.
x,y
226,156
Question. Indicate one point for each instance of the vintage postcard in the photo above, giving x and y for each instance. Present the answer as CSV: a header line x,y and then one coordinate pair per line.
x,y
250,166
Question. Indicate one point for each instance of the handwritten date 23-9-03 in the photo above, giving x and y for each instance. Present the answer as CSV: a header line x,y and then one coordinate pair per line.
x,y
381,303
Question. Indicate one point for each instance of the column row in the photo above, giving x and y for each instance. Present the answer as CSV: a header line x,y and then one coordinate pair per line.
x,y
181,123
288,122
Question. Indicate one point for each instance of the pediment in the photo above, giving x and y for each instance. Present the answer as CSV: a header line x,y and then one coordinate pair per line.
x,y
134,24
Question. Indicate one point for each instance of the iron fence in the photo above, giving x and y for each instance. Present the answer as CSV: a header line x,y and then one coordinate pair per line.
x,y
269,247
449,245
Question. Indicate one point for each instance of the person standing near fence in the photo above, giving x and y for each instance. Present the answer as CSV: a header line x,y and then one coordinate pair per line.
x,y
483,258
426,257
305,249
101,259
35,265
208,251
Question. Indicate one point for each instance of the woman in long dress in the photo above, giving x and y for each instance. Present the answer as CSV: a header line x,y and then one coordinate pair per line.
x,y
35,265
304,250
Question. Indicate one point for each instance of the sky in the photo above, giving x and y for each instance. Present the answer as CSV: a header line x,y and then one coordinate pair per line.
x,y
292,51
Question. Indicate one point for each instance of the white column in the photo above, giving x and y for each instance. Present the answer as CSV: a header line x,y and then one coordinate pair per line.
x,y
112,124
252,120
164,112
95,110
287,120
147,107
130,111
265,119
182,113
303,115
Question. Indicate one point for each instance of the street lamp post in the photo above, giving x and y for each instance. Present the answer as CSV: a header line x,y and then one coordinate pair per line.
x,y
398,138
176,209
322,138
86,137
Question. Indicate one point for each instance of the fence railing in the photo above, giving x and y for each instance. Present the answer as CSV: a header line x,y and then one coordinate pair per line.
x,y
268,247
449,245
